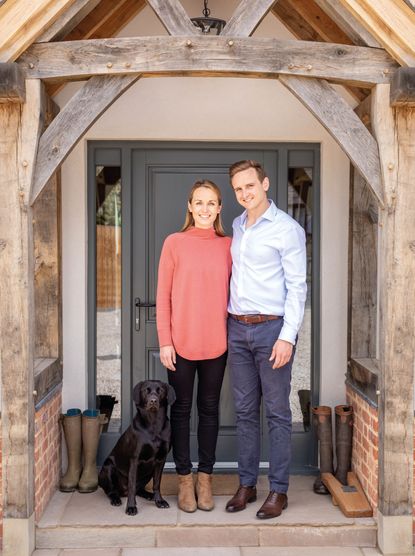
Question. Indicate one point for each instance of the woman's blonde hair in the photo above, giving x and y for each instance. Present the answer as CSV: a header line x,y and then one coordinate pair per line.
x,y
189,220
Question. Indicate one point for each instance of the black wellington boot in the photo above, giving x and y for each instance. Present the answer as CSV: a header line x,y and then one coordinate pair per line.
x,y
322,426
344,438
304,397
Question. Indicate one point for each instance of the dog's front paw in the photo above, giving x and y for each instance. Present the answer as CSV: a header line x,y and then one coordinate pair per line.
x,y
162,503
115,501
131,510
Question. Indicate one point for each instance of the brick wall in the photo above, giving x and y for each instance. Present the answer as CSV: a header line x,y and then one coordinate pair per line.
x,y
365,447
47,451
365,444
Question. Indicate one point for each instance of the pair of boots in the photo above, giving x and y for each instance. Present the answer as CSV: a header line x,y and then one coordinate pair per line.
x,y
81,431
191,497
344,436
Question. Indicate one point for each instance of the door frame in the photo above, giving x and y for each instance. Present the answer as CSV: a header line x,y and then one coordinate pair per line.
x,y
118,153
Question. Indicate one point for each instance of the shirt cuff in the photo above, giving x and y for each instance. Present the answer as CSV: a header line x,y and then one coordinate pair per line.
x,y
288,334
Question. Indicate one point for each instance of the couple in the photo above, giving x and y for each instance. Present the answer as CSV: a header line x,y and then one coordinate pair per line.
x,y
263,316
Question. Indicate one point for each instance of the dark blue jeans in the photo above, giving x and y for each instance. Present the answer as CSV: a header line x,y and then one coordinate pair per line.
x,y
252,376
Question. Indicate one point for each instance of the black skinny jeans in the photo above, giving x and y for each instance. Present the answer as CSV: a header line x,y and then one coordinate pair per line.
x,y
210,377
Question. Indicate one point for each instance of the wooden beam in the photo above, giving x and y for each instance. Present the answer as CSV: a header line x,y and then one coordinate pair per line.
x,y
343,124
392,24
18,145
246,17
395,132
296,23
107,19
166,55
47,266
173,16
403,87
68,20
348,23
78,115
22,21
12,83
320,21
363,272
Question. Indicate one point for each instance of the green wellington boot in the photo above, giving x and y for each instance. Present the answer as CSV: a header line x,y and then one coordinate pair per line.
x,y
92,423
71,424
344,439
322,426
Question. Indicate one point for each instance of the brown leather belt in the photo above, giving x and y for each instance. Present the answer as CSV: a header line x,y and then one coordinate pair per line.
x,y
254,319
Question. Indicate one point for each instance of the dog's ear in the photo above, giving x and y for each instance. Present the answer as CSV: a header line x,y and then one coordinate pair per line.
x,y
137,392
171,394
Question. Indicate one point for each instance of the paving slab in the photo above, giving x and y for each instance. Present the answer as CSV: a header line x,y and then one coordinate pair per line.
x,y
182,551
301,551
302,510
82,521
92,552
94,509
46,552
53,514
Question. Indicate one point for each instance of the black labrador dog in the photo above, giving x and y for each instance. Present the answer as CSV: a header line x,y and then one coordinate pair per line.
x,y
141,451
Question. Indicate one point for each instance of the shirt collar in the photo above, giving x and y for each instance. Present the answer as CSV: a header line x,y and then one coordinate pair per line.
x,y
270,214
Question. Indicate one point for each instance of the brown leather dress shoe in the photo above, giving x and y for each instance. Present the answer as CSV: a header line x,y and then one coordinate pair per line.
x,y
273,505
244,495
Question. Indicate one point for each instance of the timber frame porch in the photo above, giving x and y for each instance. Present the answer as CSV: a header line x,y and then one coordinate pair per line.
x,y
370,50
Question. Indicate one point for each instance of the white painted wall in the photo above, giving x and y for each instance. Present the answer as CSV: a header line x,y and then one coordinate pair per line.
x,y
182,109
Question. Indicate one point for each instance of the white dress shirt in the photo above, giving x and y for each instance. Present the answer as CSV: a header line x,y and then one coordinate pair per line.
x,y
269,269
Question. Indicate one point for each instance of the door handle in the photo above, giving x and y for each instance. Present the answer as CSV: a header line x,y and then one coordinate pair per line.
x,y
138,305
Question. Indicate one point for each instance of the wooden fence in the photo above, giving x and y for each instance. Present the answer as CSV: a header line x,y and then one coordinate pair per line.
x,y
108,267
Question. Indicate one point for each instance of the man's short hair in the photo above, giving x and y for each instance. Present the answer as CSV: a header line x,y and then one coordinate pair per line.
x,y
242,165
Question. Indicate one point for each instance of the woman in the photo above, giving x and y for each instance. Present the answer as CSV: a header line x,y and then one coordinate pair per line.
x,y
192,297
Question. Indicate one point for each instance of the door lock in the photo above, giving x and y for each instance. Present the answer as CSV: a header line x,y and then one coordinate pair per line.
x,y
138,305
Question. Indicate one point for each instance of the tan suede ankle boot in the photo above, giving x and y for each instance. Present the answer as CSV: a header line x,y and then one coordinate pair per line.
x,y
186,495
204,492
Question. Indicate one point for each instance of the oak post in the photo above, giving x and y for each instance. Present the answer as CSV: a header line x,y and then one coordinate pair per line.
x,y
18,146
395,132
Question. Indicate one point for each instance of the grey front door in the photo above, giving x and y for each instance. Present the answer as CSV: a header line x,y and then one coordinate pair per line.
x,y
155,182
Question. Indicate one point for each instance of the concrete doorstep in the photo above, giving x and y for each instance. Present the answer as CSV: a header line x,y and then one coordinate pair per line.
x,y
81,521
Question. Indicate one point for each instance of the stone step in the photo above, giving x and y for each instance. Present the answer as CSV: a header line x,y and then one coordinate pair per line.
x,y
77,520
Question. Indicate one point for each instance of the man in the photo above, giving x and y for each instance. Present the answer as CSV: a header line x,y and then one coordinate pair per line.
x,y
266,307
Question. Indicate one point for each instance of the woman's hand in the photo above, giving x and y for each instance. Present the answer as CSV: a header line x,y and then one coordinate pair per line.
x,y
168,357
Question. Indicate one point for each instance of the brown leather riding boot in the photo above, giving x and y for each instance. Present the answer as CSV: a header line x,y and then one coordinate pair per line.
x,y
204,492
244,495
186,496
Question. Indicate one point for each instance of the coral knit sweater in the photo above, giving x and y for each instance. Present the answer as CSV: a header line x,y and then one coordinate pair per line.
x,y
192,293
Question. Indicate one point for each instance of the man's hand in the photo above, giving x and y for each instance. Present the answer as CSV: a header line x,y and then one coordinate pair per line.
x,y
168,357
281,352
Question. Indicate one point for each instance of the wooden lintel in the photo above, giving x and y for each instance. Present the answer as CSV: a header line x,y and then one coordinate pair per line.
x,y
403,87
150,55
12,83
